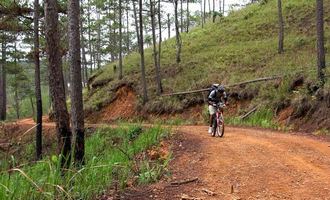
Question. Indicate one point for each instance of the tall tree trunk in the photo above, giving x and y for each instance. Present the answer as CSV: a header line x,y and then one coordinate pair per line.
x,y
56,82
16,98
136,24
177,35
320,41
83,51
188,20
89,37
83,54
202,15
219,6
77,111
98,44
209,13
168,25
204,12
143,76
213,13
181,13
281,28
223,7
110,31
37,81
127,27
155,53
120,42
3,87
94,56
160,44
66,78
16,95
114,36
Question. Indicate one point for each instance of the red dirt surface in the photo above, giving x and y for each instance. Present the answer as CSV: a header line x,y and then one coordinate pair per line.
x,y
193,114
123,107
245,164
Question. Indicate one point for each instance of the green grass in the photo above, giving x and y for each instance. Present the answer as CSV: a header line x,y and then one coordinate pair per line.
x,y
262,118
110,160
236,48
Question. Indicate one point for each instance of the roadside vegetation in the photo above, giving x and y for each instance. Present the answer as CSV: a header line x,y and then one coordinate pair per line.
x,y
115,158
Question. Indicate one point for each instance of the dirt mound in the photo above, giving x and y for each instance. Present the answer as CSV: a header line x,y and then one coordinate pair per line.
x,y
191,115
122,107
317,112
307,114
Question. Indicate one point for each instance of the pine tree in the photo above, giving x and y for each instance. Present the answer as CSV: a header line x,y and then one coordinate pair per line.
x,y
37,82
56,82
143,76
320,41
77,111
281,28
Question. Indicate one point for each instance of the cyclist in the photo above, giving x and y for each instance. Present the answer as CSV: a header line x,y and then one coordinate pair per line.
x,y
216,95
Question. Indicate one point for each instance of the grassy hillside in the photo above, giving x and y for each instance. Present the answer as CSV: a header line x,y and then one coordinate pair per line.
x,y
236,48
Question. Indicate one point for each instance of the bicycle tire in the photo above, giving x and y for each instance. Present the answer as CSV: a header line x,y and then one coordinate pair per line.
x,y
221,128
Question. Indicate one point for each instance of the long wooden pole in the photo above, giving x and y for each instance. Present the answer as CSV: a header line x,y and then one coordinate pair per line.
x,y
231,85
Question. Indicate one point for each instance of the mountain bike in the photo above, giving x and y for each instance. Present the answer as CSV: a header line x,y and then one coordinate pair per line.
x,y
218,124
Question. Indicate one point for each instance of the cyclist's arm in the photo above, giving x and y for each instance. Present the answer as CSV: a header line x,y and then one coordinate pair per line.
x,y
225,97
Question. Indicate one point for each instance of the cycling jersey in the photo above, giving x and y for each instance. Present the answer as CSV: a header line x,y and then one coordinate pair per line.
x,y
216,96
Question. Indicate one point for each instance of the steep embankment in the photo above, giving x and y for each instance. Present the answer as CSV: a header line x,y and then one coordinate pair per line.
x,y
239,47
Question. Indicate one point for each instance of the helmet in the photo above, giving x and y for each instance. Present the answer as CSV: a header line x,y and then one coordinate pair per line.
x,y
221,88
215,86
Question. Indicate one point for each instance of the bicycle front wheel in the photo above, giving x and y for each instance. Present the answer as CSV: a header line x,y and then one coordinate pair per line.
x,y
221,127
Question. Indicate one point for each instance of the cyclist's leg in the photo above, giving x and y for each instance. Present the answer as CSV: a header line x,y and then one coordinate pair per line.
x,y
212,111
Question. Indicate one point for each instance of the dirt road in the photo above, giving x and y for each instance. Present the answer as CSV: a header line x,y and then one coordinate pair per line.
x,y
245,164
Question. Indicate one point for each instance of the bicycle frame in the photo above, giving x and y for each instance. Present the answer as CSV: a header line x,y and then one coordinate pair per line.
x,y
219,116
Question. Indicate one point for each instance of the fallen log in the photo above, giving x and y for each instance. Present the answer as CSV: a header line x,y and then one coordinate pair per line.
x,y
231,85
184,181
255,81
249,113
187,92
